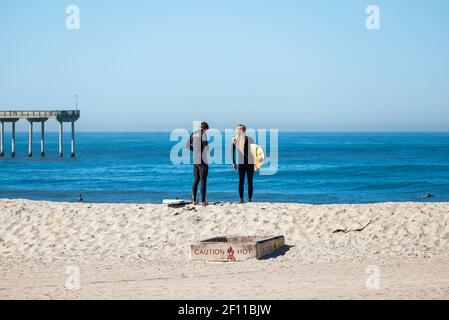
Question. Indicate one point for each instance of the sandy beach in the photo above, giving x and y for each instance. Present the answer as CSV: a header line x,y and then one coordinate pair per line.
x,y
136,251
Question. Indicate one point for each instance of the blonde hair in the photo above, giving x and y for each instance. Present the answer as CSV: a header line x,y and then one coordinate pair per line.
x,y
240,138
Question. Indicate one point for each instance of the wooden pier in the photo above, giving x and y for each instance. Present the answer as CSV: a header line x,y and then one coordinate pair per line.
x,y
68,116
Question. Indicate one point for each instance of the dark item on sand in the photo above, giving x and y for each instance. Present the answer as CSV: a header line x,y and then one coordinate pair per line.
x,y
176,203
355,230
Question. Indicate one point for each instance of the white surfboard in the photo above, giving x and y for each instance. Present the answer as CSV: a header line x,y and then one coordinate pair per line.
x,y
174,202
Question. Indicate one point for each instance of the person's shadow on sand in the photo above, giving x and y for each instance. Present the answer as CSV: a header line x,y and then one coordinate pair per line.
x,y
277,253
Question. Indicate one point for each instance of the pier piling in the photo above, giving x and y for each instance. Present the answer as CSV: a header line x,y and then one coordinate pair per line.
x,y
2,139
72,145
61,131
43,138
13,140
30,139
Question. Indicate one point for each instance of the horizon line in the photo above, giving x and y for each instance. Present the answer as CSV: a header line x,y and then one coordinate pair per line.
x,y
221,130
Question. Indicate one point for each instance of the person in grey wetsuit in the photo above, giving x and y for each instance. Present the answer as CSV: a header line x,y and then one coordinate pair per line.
x,y
199,145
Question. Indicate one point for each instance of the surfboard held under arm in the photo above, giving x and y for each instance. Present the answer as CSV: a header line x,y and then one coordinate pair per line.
x,y
258,155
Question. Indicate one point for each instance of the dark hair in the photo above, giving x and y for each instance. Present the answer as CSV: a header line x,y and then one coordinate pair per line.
x,y
204,126
242,126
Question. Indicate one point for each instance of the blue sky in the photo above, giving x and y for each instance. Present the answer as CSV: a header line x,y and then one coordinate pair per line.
x,y
287,64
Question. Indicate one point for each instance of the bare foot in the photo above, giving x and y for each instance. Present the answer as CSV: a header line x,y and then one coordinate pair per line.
x,y
204,204
195,203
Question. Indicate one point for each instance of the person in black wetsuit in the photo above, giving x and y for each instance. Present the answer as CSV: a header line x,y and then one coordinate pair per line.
x,y
199,145
245,165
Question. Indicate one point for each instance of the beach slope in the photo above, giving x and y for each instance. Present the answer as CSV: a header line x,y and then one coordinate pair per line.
x,y
374,251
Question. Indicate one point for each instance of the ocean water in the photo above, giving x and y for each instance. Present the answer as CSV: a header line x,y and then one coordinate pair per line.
x,y
318,168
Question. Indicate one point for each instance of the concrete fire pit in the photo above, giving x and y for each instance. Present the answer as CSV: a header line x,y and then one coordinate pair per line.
x,y
232,249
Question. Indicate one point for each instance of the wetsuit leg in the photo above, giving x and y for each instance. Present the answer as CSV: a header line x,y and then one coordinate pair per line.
x,y
204,171
242,172
250,173
196,181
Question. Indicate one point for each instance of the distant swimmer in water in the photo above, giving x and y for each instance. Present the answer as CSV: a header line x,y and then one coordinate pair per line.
x,y
429,195
80,199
